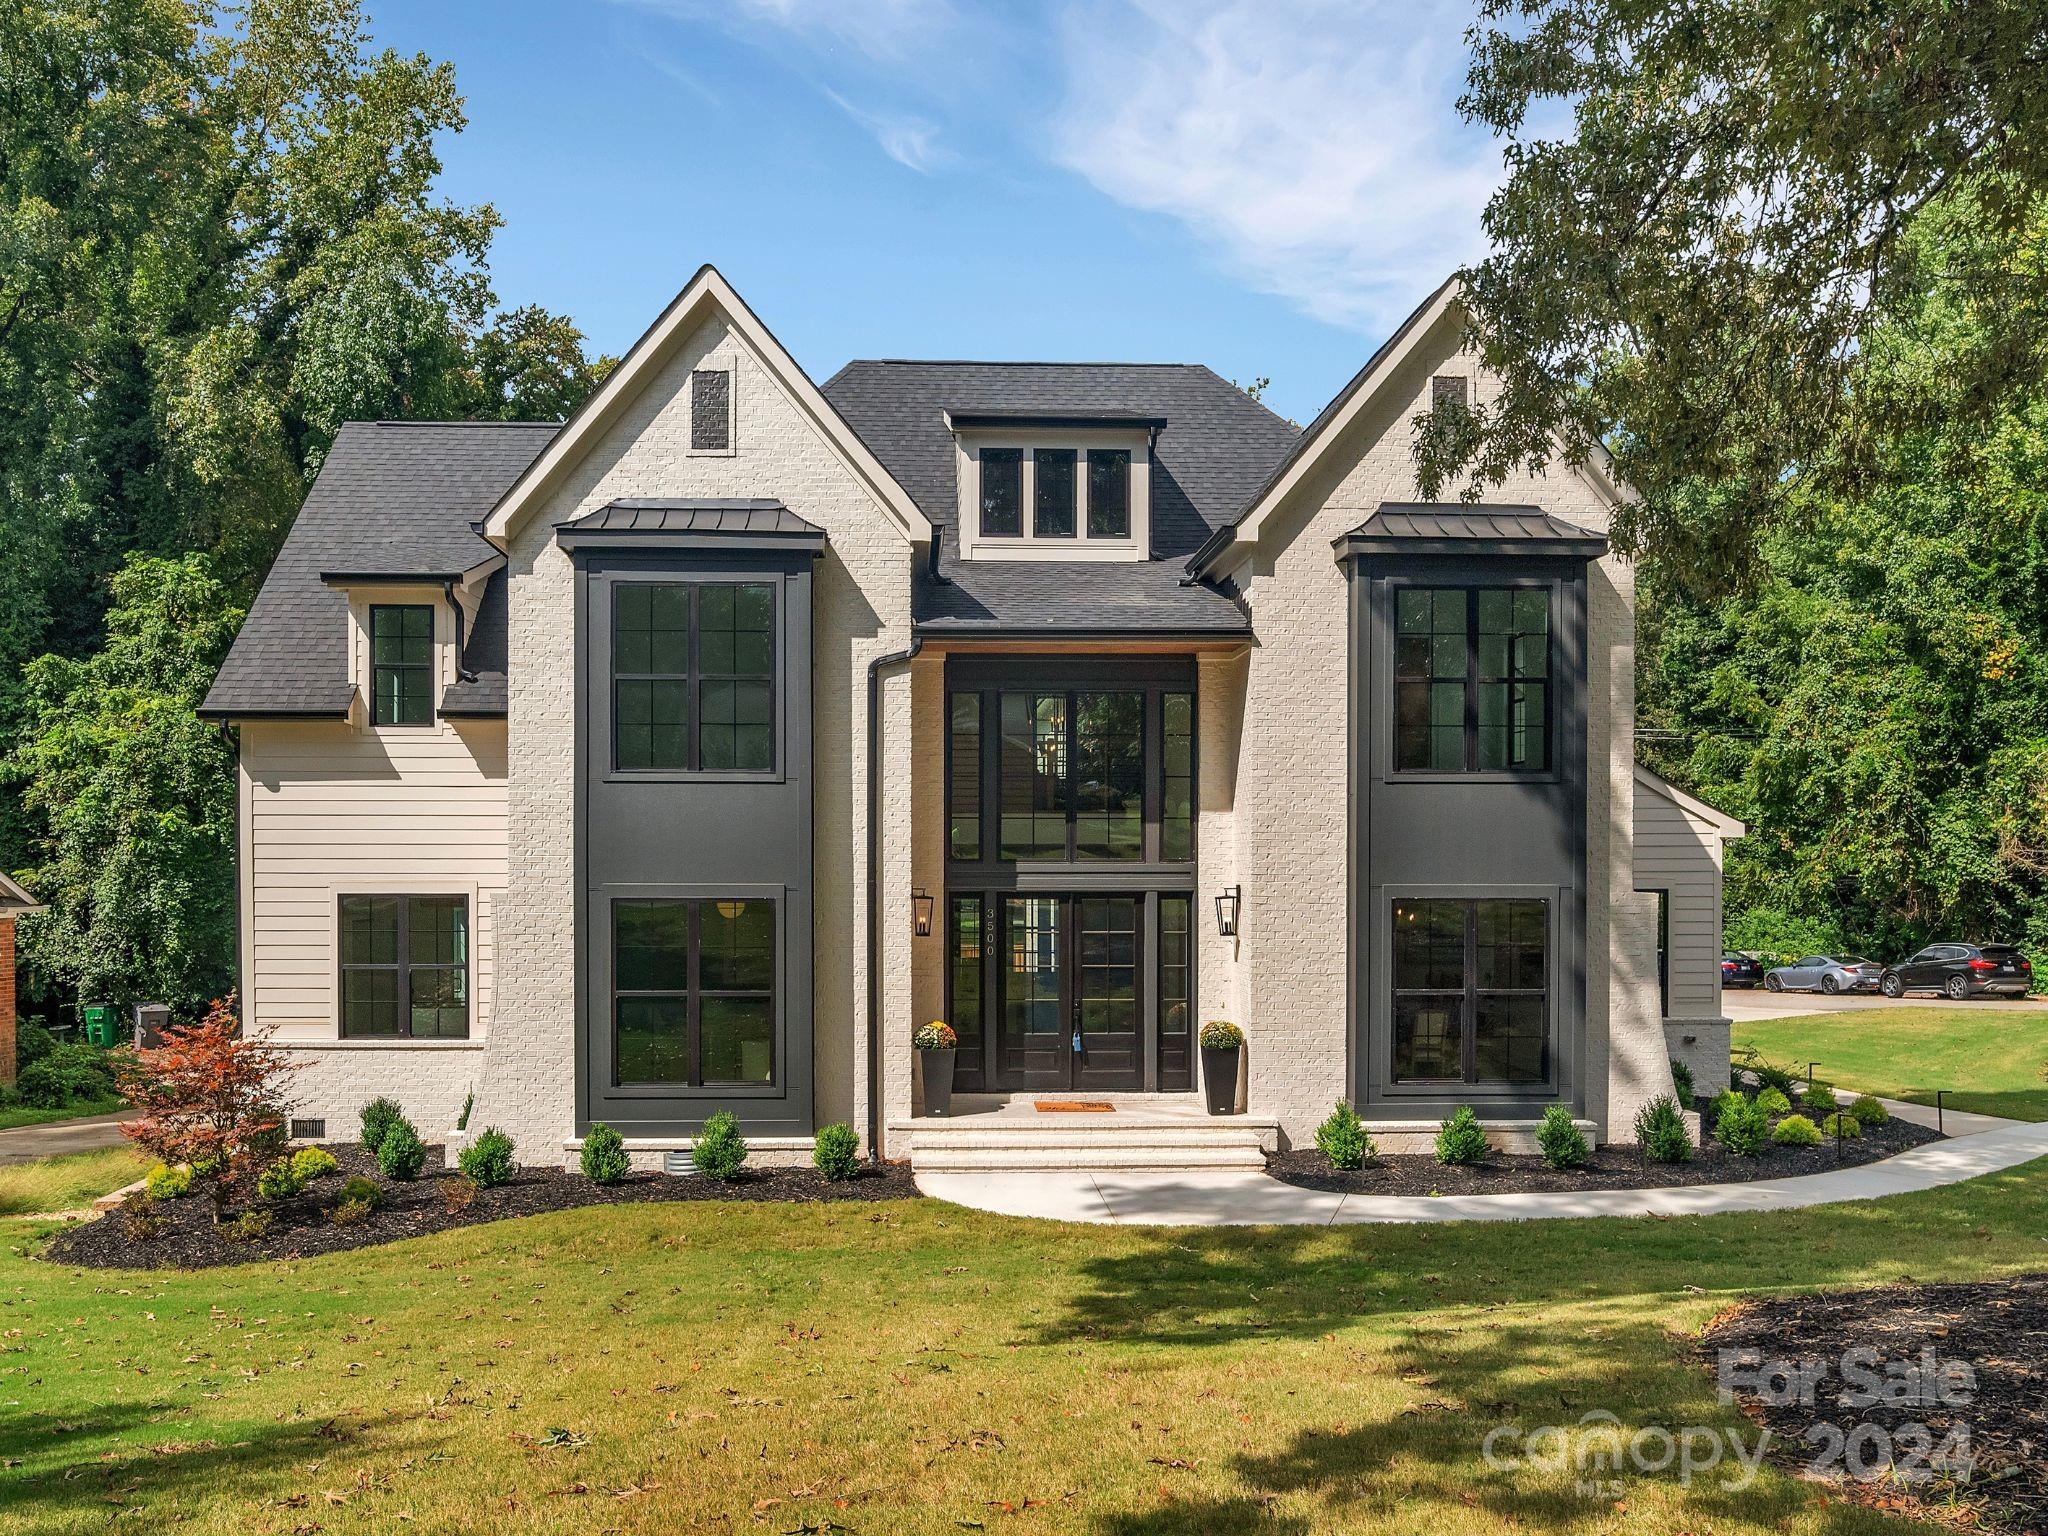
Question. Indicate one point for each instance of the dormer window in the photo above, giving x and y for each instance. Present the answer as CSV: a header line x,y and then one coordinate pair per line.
x,y
1054,488
401,664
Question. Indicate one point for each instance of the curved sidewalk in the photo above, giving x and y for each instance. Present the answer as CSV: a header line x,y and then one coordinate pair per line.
x,y
1253,1199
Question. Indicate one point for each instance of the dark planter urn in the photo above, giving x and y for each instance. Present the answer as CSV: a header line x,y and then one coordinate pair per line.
x,y
936,1070
1219,1077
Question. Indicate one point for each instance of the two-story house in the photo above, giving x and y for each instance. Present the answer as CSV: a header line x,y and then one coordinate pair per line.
x,y
686,755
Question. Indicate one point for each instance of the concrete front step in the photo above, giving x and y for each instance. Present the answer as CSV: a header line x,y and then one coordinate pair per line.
x,y
988,1142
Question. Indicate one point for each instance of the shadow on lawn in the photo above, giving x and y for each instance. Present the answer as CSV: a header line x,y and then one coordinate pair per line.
x,y
1423,1468
93,1464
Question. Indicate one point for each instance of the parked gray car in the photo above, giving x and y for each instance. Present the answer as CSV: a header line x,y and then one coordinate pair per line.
x,y
1825,973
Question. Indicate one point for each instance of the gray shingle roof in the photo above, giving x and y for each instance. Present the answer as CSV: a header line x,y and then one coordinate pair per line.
x,y
392,496
1216,448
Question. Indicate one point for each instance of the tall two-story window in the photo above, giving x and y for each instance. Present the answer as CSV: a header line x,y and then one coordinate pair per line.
x,y
693,991
693,677
1472,679
404,967
401,664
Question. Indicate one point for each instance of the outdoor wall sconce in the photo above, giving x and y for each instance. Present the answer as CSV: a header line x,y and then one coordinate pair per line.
x,y
921,913
1226,912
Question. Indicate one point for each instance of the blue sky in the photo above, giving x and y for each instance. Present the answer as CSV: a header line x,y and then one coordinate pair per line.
x,y
1265,186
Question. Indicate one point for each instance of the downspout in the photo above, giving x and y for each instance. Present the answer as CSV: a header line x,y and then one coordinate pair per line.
x,y
462,673
892,658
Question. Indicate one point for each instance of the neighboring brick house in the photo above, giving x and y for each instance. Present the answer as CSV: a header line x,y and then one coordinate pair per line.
x,y
13,902
686,755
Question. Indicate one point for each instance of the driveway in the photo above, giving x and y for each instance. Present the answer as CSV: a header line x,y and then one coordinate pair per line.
x,y
26,1142
1759,1004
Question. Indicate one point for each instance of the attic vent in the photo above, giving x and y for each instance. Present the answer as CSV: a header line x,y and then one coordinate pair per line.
x,y
711,411
309,1130
1447,389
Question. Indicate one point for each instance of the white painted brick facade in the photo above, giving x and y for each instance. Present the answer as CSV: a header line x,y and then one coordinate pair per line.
x,y
861,608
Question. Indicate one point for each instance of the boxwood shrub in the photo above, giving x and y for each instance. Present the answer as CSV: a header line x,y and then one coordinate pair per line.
x,y
1343,1138
488,1159
1820,1096
1796,1131
1742,1127
400,1153
1841,1124
311,1163
1869,1111
719,1151
836,1152
1660,1127
604,1155
1461,1139
379,1115
1772,1102
1560,1140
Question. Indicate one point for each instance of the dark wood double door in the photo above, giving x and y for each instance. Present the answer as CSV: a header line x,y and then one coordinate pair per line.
x,y
1068,998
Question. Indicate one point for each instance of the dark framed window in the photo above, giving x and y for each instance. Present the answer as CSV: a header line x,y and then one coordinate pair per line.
x,y
404,967
1472,991
693,676
1109,775
693,991
1052,502
1176,993
963,778
1472,679
966,941
401,664
1109,493
1002,492
711,410
1034,775
1177,776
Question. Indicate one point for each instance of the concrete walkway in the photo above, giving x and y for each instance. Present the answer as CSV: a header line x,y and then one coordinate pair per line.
x,y
1253,1199
24,1143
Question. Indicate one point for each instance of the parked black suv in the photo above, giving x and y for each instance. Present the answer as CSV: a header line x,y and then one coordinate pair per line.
x,y
1960,971
1738,970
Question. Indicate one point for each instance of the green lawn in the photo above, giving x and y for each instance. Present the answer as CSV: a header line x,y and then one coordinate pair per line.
x,y
918,1368
1993,1061
66,1183
28,1114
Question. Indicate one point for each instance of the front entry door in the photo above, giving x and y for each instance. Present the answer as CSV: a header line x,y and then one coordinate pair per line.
x,y
1069,994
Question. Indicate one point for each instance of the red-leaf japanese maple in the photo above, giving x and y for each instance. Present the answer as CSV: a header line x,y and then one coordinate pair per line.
x,y
211,1098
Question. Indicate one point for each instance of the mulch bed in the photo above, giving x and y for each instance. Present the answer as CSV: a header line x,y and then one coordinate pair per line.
x,y
1999,1328
188,1239
1612,1167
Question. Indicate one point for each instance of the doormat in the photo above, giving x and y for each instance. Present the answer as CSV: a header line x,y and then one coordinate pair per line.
x,y
1073,1107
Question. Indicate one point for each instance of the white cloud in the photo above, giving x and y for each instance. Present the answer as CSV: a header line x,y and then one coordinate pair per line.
x,y
889,31
907,140
1315,142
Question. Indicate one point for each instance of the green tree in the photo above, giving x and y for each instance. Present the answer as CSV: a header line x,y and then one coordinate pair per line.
x,y
1707,206
134,797
1877,705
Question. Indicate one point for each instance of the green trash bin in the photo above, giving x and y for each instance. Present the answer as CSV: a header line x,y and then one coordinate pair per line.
x,y
102,1024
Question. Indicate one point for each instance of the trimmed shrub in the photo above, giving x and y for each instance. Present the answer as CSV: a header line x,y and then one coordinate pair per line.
x,y
1776,1077
1820,1096
1221,1034
379,1115
1660,1127
1796,1131
347,1212
458,1193
1772,1102
364,1190
1846,1126
280,1181
719,1150
66,1074
604,1155
313,1163
1343,1138
1559,1139
167,1183
1681,1079
488,1159
1868,1111
249,1227
1726,1097
1742,1127
837,1152
1461,1139
400,1154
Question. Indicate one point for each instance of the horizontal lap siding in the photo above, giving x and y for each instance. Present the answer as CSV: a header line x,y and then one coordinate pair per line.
x,y
332,808
1676,853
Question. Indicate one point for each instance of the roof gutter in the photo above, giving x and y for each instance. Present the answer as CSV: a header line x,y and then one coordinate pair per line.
x,y
874,1000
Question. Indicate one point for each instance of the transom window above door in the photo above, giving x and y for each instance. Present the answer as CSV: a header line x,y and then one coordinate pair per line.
x,y
693,677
